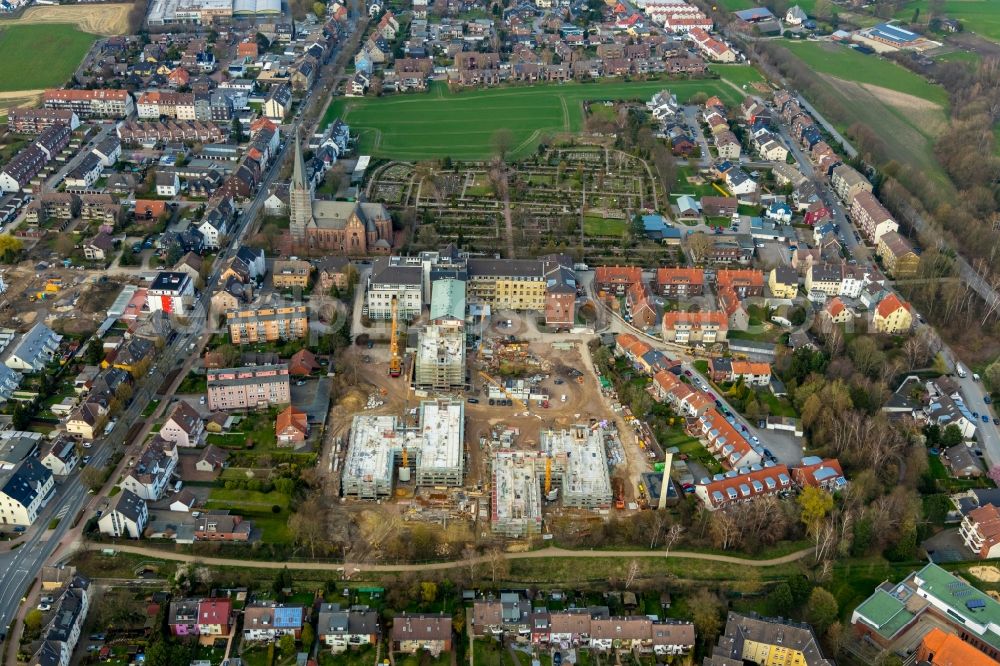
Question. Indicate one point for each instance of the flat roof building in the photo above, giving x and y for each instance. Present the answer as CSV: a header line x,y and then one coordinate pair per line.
x,y
579,465
516,494
435,450
440,357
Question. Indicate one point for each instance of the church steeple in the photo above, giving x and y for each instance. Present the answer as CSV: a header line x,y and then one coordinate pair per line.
x,y
299,170
299,197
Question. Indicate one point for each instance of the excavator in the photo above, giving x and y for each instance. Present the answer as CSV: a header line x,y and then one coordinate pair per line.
x,y
395,364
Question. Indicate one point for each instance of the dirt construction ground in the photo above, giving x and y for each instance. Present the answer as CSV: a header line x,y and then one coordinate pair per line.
x,y
97,19
583,402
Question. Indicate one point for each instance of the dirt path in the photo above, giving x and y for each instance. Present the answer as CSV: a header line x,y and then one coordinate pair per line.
x,y
444,566
97,19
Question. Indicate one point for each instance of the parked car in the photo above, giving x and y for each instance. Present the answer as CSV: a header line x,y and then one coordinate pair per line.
x,y
86,459
988,400
474,401
44,607
986,419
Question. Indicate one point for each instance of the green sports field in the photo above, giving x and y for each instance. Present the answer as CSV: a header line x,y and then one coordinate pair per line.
x,y
33,57
461,125
979,16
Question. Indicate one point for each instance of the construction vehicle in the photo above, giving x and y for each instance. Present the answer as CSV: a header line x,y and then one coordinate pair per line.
x,y
395,365
618,488
516,401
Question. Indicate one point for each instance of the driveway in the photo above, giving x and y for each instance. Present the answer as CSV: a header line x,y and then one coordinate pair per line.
x,y
313,397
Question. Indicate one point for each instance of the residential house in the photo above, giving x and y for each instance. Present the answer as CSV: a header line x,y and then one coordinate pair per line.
x,y
25,489
168,184
182,617
126,517
184,426
222,527
290,273
332,272
783,281
35,350
215,617
151,474
695,327
278,103
212,459
893,316
680,282
302,363
751,638
291,427
414,632
962,462
820,473
745,282
616,279
99,248
719,206
871,217
769,480
267,324
248,387
847,182
641,308
898,256
340,629
269,620
60,457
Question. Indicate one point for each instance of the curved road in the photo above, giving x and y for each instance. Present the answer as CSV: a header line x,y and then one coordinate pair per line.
x,y
153,553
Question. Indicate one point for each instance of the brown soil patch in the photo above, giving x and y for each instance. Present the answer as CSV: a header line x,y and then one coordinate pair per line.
x,y
97,19
923,113
986,574
19,99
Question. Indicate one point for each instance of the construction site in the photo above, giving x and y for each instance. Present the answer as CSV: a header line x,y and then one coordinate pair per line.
x,y
536,437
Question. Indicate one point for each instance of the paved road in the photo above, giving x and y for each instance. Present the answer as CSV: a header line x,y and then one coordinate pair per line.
x,y
441,566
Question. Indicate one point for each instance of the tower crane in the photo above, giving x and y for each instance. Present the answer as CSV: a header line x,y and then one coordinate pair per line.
x,y
548,475
516,401
395,365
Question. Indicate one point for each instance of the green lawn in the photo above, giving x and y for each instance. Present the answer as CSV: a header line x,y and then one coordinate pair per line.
x,y
738,74
258,507
599,226
40,56
254,427
979,16
461,125
846,63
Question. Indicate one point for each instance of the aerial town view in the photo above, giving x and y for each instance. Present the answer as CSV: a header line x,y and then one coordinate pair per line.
x,y
500,332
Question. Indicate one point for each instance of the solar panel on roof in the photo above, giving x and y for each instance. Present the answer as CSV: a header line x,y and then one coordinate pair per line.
x,y
975,604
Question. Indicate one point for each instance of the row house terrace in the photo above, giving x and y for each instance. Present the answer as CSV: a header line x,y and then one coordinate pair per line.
x,y
724,440
735,486
667,387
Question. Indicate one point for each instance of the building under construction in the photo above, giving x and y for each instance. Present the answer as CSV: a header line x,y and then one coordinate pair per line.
x,y
382,449
579,465
440,357
516,495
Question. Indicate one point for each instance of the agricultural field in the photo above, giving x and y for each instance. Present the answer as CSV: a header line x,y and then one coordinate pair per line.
x,y
460,125
981,17
97,19
850,65
905,109
34,57
737,5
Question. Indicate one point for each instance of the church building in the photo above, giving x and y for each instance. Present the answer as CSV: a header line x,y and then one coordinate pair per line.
x,y
343,227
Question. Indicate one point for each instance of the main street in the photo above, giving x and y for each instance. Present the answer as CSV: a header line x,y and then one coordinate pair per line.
x,y
20,567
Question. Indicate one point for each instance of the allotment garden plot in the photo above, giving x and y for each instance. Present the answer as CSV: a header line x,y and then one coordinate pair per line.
x,y
581,192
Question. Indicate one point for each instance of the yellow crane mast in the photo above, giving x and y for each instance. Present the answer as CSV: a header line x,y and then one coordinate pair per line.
x,y
395,366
